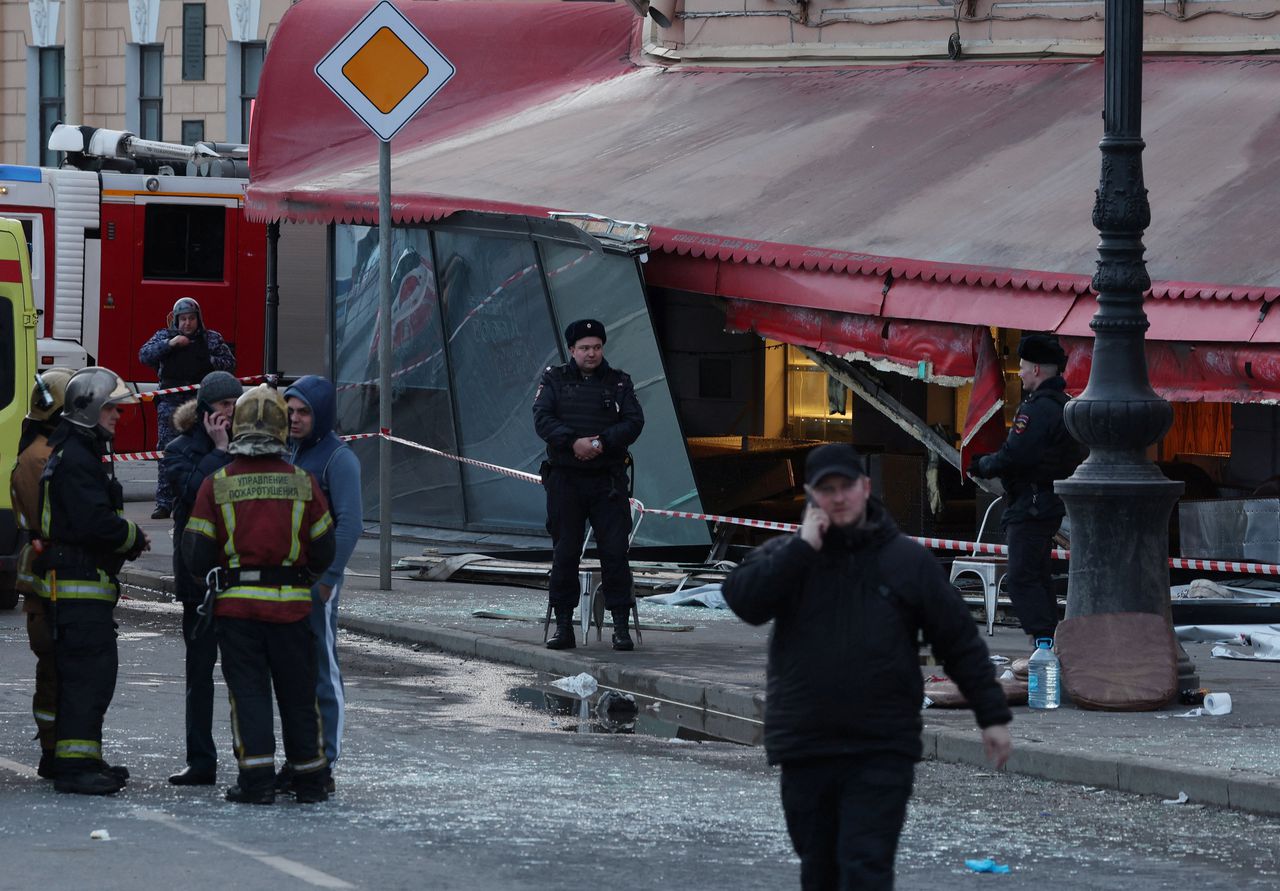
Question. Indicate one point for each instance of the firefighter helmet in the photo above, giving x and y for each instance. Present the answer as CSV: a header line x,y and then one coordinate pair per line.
x,y
48,392
182,306
89,390
260,425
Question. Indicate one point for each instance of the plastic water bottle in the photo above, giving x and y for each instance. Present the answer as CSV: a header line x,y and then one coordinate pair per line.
x,y
1043,690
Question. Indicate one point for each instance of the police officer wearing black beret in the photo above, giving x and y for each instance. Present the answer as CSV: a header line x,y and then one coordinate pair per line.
x,y
1037,451
587,413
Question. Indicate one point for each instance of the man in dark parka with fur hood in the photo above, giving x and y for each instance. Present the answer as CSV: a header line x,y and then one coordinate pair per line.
x,y
200,449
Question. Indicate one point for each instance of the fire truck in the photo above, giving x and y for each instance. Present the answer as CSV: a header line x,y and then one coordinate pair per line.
x,y
120,231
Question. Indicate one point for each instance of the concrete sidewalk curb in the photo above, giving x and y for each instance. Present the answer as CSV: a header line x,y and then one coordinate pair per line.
x,y
1239,790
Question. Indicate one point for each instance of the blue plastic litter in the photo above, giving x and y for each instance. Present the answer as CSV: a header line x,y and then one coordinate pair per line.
x,y
986,866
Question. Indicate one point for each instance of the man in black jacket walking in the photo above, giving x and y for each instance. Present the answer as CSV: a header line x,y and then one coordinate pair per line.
x,y
849,595
200,449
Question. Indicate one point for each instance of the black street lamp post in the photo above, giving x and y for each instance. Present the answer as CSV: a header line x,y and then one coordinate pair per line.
x,y
1118,500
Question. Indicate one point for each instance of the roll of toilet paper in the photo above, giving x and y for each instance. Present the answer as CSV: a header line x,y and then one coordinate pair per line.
x,y
1217,704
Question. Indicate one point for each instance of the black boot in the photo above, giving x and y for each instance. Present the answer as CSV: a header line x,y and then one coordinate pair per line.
x,y
563,639
88,782
621,634
241,795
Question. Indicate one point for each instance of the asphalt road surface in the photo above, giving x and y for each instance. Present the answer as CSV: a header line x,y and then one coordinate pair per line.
x,y
467,775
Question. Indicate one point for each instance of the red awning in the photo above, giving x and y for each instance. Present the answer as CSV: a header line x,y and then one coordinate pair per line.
x,y
776,185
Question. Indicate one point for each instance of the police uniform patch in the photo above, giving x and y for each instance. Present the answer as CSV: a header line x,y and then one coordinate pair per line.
x,y
1020,423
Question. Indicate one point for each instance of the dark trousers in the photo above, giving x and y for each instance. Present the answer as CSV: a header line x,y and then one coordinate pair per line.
x,y
165,433
844,816
573,499
87,663
202,653
257,657
44,703
1029,579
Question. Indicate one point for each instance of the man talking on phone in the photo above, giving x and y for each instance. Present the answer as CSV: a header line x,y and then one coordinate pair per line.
x,y
849,596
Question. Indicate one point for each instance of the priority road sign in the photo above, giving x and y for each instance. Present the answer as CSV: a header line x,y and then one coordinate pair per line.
x,y
384,70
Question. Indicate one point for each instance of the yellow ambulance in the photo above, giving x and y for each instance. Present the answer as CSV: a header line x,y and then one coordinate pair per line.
x,y
17,372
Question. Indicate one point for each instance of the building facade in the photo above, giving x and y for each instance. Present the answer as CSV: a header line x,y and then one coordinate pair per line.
x,y
163,69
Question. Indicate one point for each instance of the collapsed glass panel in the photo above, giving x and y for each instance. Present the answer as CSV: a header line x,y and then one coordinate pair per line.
x,y
427,490
467,361
500,337
608,288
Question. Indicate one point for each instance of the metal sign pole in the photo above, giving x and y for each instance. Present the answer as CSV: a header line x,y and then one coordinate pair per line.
x,y
384,363
357,71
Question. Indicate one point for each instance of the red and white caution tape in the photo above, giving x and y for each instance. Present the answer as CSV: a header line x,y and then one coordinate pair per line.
x,y
134,456
937,544
191,388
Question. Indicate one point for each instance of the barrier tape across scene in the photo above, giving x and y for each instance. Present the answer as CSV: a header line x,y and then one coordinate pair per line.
x,y
938,544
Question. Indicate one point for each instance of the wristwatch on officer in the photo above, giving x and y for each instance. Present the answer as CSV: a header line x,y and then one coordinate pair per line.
x,y
595,443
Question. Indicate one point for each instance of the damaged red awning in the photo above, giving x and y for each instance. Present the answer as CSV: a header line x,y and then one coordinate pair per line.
x,y
924,192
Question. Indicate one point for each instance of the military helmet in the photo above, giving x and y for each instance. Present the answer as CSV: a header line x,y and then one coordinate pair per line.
x,y
260,425
182,306
88,390
49,392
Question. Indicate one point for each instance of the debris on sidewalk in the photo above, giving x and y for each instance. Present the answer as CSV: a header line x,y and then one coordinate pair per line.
x,y
1263,641
987,865
581,685
1182,798
703,595
942,692
100,835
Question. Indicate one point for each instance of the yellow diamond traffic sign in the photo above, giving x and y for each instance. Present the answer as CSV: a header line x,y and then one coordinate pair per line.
x,y
384,70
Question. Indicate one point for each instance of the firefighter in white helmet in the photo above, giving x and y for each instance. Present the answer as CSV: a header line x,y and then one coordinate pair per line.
x,y
86,540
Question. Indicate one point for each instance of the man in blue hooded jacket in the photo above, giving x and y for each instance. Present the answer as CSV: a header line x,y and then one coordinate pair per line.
x,y
315,447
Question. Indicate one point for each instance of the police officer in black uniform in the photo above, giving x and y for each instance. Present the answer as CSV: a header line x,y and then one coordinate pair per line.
x,y
1038,451
587,413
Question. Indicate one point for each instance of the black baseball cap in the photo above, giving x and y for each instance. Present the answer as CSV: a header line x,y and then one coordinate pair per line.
x,y
835,457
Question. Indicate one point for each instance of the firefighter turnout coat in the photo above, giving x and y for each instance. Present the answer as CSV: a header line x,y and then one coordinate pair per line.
x,y
267,525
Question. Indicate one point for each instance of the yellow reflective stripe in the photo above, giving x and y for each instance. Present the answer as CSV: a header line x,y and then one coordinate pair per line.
x,y
43,717
78,748
86,591
310,766
129,539
295,527
44,513
321,526
229,521
201,526
287,594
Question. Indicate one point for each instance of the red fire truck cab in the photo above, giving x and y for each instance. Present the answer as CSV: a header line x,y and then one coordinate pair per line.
x,y
122,230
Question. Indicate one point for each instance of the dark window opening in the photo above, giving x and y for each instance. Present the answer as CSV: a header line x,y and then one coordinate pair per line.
x,y
715,378
52,96
193,41
184,242
150,100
